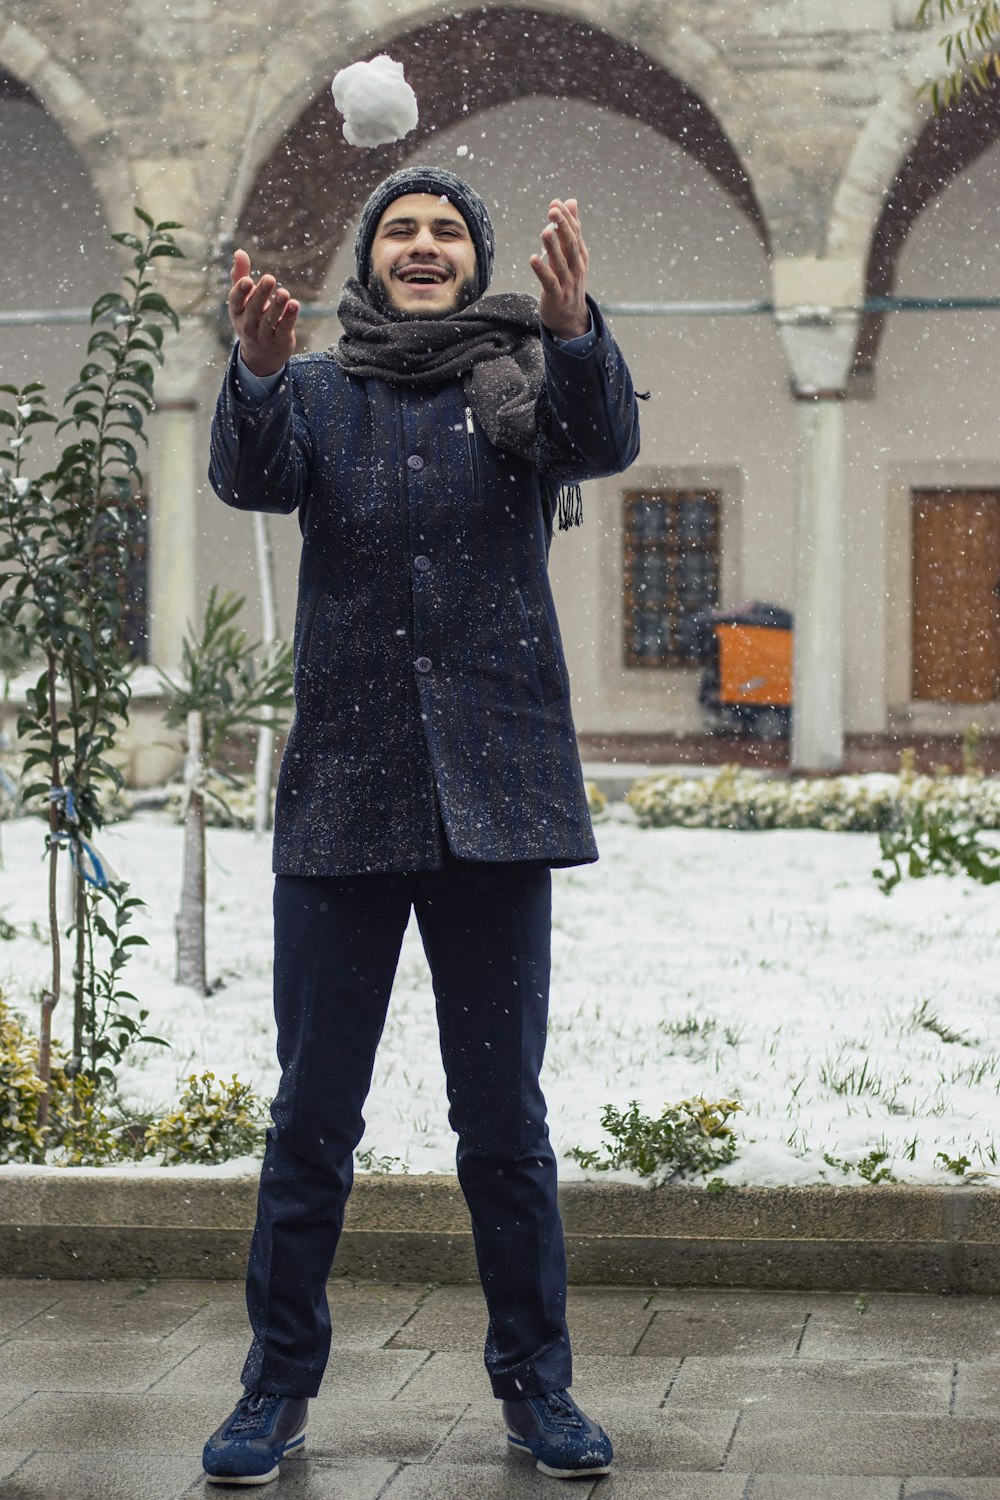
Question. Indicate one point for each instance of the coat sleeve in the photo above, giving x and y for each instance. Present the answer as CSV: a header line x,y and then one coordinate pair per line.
x,y
591,426
261,453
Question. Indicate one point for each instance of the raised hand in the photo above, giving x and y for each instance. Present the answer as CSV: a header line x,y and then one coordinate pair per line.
x,y
562,271
264,315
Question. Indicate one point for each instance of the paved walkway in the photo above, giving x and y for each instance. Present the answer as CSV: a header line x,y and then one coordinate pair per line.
x,y
107,1391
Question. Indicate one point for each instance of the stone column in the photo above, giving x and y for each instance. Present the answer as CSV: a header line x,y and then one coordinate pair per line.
x,y
814,302
818,714
173,519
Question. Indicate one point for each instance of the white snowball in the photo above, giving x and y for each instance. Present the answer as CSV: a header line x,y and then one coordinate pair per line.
x,y
377,103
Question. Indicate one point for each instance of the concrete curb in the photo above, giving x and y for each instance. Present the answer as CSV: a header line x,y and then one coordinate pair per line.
x,y
84,1223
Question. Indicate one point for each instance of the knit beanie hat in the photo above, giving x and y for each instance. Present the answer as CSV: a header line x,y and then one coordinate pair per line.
x,y
443,184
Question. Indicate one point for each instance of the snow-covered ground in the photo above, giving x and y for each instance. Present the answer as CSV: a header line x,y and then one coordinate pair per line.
x,y
763,966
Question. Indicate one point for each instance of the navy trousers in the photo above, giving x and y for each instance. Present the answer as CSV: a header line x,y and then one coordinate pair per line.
x,y
486,931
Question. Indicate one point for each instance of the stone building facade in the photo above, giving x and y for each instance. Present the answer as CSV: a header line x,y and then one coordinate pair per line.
x,y
774,152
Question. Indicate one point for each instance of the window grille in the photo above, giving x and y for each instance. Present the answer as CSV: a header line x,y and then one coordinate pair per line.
x,y
671,575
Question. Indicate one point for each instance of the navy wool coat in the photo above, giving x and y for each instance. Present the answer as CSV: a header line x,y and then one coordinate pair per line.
x,y
431,692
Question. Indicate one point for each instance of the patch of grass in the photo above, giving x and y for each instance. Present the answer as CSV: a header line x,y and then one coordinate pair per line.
x,y
924,1019
857,1080
380,1165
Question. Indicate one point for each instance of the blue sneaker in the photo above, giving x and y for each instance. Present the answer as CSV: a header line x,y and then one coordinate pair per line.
x,y
255,1437
562,1439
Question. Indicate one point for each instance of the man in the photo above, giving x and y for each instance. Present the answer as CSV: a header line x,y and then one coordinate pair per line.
x,y
432,762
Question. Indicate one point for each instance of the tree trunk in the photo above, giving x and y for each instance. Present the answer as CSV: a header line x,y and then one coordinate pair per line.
x,y
269,631
50,997
80,916
190,922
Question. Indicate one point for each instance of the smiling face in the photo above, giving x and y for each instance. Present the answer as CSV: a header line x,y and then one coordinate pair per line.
x,y
423,256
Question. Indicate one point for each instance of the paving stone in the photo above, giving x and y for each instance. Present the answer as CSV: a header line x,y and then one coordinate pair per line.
x,y
951,1489
355,1374
459,1378
106,1476
815,1385
607,1320
449,1319
601,1320
365,1315
687,1438
713,1322
977,1389
379,1430
84,1365
155,1424
10,1460
801,1443
116,1310
625,1484
822,1487
903,1327
517,1479
310,1479
596,1378
11,1397
19,1306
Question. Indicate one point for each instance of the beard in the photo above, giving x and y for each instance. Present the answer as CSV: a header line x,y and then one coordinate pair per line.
x,y
468,291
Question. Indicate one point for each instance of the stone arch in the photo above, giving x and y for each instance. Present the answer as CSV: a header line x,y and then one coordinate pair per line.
x,y
28,68
310,186
905,158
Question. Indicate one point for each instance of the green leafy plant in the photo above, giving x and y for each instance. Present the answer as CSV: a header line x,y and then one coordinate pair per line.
x,y
872,1167
930,843
957,1164
22,1139
87,1125
214,1121
689,1138
65,539
368,1161
971,50
111,1025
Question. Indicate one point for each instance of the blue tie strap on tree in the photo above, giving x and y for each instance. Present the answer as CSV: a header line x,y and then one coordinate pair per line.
x,y
83,856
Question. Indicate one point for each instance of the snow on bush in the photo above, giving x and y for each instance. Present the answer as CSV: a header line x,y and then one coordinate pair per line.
x,y
739,799
377,103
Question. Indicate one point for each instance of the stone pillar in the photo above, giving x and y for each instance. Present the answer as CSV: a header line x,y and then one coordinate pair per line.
x,y
818,714
173,519
815,302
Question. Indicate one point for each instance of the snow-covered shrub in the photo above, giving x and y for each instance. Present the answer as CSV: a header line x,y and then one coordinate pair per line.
x,y
876,803
691,1137
93,1137
596,800
21,1089
228,803
213,1122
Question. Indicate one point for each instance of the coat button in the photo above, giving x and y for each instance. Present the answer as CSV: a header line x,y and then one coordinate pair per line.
x,y
423,664
415,462
422,564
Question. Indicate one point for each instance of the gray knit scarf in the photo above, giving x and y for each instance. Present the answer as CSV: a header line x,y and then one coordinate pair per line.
x,y
493,346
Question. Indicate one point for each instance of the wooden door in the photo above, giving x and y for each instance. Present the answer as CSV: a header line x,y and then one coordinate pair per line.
x,y
956,604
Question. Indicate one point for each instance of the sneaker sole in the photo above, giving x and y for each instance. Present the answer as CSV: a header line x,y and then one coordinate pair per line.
x,y
295,1449
522,1447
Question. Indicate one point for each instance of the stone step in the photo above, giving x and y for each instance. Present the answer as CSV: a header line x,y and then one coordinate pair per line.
x,y
185,1223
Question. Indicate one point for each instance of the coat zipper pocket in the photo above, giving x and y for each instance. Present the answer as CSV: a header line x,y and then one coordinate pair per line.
x,y
470,433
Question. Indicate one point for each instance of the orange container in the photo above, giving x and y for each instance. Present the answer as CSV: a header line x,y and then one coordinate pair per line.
x,y
755,665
